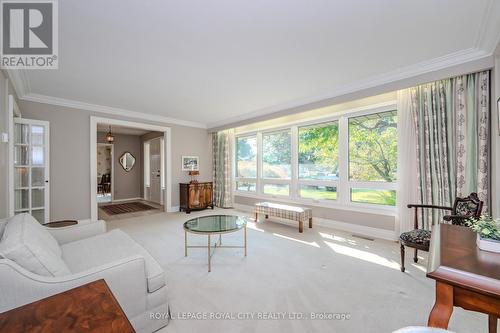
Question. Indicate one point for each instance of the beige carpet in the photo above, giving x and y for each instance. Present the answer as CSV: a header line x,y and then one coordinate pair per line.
x,y
321,270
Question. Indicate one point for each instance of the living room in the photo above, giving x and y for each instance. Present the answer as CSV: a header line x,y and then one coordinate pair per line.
x,y
309,166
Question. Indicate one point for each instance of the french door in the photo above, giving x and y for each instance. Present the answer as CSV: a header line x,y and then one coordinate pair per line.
x,y
31,168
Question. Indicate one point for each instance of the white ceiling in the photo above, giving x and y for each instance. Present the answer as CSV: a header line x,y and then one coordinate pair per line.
x,y
210,63
121,130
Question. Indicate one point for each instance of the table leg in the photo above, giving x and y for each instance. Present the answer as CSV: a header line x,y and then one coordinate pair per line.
x,y
245,240
492,324
256,217
443,306
220,239
209,256
301,226
185,243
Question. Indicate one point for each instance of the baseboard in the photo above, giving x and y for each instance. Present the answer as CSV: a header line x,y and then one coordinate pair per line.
x,y
174,209
128,199
328,223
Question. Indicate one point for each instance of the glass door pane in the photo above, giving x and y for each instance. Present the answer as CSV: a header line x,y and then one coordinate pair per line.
x,y
21,134
21,177
30,169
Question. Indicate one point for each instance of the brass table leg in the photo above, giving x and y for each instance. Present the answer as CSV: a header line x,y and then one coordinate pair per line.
x,y
209,256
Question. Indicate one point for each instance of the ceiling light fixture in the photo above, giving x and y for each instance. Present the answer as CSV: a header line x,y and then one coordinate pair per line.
x,y
109,137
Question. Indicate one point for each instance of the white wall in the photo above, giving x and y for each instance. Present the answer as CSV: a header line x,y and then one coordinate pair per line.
x,y
70,153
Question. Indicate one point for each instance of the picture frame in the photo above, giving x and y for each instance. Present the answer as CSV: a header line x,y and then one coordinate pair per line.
x,y
190,163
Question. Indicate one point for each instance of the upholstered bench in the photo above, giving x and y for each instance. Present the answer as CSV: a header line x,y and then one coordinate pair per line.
x,y
295,213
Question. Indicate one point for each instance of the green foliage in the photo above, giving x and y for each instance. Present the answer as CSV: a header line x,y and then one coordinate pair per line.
x,y
485,226
246,147
318,146
373,147
277,148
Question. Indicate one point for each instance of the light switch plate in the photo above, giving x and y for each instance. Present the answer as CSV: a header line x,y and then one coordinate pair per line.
x,y
5,137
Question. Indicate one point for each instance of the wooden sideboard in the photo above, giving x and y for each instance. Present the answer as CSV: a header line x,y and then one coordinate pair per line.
x,y
196,196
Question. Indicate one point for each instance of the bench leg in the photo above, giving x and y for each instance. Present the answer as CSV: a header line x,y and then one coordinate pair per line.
x,y
301,226
310,222
267,216
256,217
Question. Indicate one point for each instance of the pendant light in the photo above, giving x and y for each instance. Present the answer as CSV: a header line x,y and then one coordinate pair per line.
x,y
109,137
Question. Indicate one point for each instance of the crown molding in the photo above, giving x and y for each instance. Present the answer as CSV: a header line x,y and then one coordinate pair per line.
x,y
483,58
20,81
107,110
488,35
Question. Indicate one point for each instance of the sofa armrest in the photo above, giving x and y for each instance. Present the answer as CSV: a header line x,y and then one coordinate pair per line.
x,y
126,278
84,229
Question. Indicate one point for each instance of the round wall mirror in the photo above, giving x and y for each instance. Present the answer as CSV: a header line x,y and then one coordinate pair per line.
x,y
127,161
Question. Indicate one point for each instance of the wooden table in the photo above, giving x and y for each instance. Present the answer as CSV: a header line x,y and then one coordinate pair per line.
x,y
465,276
88,308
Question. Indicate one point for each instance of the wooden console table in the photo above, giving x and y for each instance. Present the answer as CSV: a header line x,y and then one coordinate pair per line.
x,y
465,276
88,308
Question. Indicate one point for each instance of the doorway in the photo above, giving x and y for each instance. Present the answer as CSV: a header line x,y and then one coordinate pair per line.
x,y
154,170
105,172
164,159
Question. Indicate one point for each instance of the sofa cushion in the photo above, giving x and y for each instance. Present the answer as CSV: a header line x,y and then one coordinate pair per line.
x,y
26,242
106,248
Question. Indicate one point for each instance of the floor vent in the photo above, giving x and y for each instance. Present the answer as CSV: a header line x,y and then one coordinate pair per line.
x,y
363,237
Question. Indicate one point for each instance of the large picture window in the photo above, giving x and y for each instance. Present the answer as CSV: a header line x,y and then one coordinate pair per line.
x,y
246,163
318,161
348,160
373,157
276,155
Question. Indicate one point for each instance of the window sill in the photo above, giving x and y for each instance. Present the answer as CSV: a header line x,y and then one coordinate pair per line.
x,y
353,206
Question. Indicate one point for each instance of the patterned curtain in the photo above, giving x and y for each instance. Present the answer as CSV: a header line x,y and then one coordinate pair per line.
x,y
222,159
453,151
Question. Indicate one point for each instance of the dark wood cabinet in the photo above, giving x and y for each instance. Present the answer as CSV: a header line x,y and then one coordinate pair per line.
x,y
196,196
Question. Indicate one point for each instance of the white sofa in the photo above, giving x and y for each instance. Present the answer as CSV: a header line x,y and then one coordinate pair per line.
x,y
36,262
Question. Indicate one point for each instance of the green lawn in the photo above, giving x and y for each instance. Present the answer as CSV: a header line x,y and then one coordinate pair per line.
x,y
379,197
318,194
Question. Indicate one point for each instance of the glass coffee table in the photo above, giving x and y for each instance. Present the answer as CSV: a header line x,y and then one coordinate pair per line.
x,y
215,225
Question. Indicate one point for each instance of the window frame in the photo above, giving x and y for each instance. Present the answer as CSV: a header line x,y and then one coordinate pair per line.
x,y
236,178
343,184
274,181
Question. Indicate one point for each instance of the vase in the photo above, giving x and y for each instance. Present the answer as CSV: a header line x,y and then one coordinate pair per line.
x,y
486,244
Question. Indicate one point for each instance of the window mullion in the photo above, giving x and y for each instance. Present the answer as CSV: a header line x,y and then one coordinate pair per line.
x,y
295,162
259,188
343,189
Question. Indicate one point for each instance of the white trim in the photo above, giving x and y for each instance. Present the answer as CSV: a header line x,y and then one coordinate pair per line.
x,y
175,208
127,199
112,166
46,165
405,73
329,204
20,81
488,33
332,224
359,111
10,161
93,157
107,109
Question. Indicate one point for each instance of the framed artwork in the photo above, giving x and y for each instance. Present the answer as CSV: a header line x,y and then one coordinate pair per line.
x,y
190,163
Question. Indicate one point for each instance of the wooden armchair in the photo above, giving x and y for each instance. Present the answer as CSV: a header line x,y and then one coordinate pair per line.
x,y
419,238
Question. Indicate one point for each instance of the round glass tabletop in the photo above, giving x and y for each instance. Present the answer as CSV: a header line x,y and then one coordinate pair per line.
x,y
215,224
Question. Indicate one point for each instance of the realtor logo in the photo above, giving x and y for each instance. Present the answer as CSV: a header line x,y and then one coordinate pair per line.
x,y
29,34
